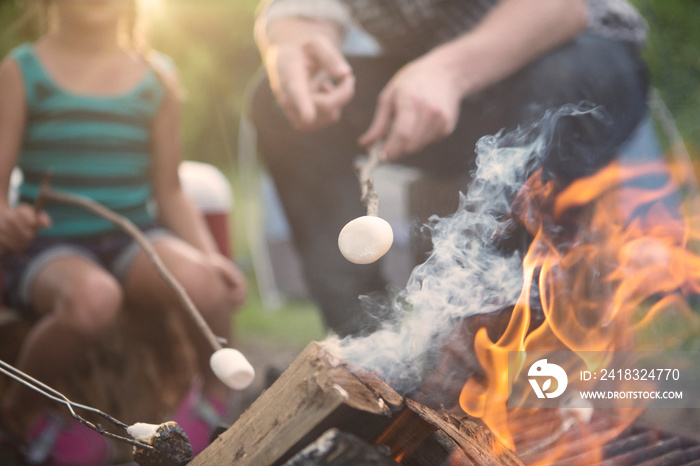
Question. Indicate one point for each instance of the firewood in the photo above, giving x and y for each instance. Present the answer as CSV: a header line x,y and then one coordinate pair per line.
x,y
319,392
314,394
473,443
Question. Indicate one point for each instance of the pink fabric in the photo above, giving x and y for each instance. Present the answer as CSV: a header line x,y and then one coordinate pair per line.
x,y
68,442
199,416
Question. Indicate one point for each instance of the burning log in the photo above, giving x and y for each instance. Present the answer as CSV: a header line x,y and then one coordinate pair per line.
x,y
319,392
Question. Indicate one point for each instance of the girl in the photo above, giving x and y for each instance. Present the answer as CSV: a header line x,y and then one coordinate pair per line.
x,y
85,105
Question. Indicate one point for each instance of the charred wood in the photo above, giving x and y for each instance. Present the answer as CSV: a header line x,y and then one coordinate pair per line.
x,y
337,448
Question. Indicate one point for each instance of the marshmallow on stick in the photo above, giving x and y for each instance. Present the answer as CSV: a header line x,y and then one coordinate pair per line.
x,y
365,239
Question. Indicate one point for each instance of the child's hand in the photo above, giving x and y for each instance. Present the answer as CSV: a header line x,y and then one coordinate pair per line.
x,y
18,227
233,277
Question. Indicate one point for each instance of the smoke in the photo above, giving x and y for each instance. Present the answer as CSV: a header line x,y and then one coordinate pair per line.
x,y
466,273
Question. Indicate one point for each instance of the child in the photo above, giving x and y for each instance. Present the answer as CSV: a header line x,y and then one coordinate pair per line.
x,y
85,105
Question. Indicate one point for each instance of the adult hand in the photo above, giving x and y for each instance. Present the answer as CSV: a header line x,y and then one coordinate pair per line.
x,y
420,105
237,286
311,80
18,227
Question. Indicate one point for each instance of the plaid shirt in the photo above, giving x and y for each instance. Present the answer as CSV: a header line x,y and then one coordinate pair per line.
x,y
411,28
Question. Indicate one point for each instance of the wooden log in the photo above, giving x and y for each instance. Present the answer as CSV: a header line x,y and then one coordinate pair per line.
x,y
318,392
314,394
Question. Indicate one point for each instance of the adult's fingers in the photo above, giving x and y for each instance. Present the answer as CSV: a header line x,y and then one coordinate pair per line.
x,y
330,98
290,81
404,129
381,123
329,58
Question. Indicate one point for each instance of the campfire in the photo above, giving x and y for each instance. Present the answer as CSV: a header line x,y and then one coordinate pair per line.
x,y
610,269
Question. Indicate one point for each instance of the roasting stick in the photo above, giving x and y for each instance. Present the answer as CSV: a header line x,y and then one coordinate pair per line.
x,y
55,395
365,167
41,200
154,445
365,239
229,365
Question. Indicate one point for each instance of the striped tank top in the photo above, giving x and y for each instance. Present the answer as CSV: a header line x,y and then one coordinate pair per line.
x,y
98,147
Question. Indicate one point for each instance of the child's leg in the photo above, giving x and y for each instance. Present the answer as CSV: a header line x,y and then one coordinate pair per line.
x,y
77,300
144,288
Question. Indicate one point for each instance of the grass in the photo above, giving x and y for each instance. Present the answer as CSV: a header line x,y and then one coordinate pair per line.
x,y
296,323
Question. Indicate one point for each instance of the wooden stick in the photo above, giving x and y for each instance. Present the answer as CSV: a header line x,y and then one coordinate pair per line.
x,y
40,199
364,168
125,224
53,394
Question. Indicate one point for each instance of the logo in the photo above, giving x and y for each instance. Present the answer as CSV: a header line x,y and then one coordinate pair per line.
x,y
543,369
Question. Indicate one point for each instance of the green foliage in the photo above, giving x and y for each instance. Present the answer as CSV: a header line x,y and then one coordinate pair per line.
x,y
11,34
211,41
295,324
673,55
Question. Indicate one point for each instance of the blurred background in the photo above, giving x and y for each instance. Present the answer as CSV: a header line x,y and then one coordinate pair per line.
x,y
211,42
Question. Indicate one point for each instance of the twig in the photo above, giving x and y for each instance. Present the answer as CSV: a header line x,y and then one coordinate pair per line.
x,y
41,200
364,167
55,395
126,225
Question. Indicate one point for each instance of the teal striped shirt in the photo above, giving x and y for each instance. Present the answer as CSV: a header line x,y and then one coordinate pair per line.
x,y
98,147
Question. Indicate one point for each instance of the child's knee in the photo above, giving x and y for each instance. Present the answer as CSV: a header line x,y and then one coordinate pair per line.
x,y
206,288
92,305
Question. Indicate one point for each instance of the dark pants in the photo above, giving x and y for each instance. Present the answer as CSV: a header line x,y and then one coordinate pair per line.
x,y
318,187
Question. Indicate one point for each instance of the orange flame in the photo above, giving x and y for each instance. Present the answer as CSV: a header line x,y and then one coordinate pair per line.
x,y
612,255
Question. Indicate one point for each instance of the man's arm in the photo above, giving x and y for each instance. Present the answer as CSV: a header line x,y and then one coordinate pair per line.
x,y
421,103
512,35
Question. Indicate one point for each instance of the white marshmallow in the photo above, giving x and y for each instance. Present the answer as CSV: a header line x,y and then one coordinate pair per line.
x,y
365,239
142,431
232,368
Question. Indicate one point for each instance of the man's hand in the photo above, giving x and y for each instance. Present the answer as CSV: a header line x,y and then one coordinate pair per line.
x,y
311,80
420,105
18,227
